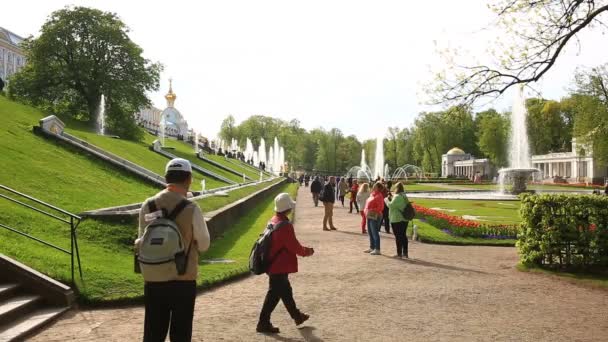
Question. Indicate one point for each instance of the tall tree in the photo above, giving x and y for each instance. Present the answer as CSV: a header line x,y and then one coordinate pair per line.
x,y
81,54
537,32
493,133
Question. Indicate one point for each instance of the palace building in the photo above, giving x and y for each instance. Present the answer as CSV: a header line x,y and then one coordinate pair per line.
x,y
174,123
12,57
457,163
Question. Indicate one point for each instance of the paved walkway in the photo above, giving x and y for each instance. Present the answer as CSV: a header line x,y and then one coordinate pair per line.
x,y
445,293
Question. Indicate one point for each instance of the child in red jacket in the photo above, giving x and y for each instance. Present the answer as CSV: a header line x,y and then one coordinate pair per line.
x,y
284,249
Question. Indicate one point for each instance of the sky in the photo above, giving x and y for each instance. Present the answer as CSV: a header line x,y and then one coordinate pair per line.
x,y
355,65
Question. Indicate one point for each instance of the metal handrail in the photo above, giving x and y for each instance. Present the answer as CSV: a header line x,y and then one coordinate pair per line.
x,y
73,221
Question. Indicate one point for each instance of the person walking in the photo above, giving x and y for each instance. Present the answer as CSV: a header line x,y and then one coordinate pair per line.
x,y
284,251
315,189
362,196
398,221
342,190
374,206
169,305
388,196
354,189
328,197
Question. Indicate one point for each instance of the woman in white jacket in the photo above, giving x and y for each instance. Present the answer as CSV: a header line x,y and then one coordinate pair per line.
x,y
362,197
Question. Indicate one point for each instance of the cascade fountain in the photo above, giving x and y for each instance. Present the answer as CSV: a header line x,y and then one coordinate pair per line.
x,y
101,116
276,167
262,152
379,158
162,130
270,166
282,159
196,148
519,170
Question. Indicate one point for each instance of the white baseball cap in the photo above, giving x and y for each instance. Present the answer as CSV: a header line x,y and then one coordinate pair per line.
x,y
283,203
178,164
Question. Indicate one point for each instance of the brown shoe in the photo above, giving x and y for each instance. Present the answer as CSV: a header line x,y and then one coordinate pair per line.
x,y
334,228
326,229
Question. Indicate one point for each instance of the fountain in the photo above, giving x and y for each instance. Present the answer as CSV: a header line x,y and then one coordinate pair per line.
x,y
196,148
203,185
270,166
379,158
101,116
262,152
519,170
403,171
162,129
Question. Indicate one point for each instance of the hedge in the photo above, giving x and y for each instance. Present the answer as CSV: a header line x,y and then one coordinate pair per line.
x,y
566,231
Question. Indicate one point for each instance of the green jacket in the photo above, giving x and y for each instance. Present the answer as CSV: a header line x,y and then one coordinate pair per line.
x,y
396,207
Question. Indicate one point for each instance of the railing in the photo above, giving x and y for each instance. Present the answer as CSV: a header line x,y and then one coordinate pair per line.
x,y
72,220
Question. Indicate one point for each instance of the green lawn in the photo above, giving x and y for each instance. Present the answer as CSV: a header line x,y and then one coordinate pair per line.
x,y
499,212
184,150
236,165
536,187
215,202
429,234
136,152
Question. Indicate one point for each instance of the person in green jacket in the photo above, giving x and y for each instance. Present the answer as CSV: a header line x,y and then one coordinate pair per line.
x,y
398,222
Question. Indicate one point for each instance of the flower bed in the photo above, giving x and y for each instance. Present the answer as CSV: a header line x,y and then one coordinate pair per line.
x,y
458,226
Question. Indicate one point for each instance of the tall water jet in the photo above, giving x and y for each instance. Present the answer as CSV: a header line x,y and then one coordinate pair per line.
x,y
162,129
363,162
519,169
101,116
379,158
282,160
270,166
262,152
196,148
276,162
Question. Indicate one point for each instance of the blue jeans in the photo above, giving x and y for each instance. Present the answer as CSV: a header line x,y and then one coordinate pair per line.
x,y
373,230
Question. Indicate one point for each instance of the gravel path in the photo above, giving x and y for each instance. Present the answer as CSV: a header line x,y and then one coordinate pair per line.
x,y
444,293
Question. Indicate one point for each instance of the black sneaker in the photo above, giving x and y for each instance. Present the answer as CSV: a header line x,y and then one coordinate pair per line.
x,y
267,329
303,318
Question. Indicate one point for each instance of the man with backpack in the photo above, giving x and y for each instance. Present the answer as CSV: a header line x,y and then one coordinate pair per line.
x,y
328,197
282,260
172,233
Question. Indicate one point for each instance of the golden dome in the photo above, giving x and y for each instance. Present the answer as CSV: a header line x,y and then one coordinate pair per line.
x,y
170,95
455,150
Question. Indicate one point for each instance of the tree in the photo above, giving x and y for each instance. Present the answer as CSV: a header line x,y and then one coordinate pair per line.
x,y
493,133
590,103
81,54
228,130
538,32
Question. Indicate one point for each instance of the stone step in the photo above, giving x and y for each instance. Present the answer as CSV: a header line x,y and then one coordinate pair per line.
x,y
13,308
30,323
8,290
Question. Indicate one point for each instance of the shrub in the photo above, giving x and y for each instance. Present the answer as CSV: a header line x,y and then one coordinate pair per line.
x,y
564,231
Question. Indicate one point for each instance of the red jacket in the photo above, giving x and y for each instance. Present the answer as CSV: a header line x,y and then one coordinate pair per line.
x,y
375,203
284,248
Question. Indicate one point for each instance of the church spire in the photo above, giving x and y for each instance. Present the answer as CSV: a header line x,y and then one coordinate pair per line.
x,y
170,95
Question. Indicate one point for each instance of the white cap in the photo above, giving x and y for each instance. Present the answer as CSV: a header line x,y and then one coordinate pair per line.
x,y
178,164
283,203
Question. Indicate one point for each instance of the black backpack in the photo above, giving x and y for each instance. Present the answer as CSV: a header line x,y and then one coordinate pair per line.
x,y
409,213
259,260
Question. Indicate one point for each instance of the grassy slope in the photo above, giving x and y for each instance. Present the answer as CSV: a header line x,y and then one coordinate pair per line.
x,y
488,211
136,152
236,165
215,202
186,151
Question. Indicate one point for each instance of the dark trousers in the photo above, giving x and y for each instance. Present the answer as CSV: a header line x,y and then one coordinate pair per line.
x,y
400,230
355,204
169,305
341,199
279,288
385,220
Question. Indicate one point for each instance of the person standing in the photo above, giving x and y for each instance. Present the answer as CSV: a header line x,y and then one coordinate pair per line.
x,y
328,197
354,189
342,190
315,189
284,251
398,221
362,196
388,196
374,206
169,305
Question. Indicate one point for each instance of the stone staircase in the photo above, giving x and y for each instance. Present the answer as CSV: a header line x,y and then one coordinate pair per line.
x,y
22,312
29,300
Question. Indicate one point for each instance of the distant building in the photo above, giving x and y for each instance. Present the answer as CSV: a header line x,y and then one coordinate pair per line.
x,y
175,124
578,165
457,163
12,57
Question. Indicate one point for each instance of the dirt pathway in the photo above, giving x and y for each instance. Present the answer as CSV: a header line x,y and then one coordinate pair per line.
x,y
445,293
